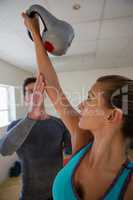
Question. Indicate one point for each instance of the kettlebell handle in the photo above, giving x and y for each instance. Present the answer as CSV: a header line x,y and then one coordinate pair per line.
x,y
31,15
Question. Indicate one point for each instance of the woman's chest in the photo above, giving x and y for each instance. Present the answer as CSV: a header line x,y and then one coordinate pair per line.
x,y
91,185
96,184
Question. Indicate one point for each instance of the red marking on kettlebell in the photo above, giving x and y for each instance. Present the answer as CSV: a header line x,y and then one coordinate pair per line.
x,y
48,46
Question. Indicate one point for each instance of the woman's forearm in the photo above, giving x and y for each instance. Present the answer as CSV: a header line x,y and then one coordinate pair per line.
x,y
53,87
44,64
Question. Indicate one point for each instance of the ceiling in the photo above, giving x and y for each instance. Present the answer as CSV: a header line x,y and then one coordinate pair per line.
x,y
103,33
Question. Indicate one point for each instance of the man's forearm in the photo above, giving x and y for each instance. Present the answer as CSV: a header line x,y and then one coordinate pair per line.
x,y
16,136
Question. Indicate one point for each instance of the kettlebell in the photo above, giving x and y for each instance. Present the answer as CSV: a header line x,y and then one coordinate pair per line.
x,y
57,35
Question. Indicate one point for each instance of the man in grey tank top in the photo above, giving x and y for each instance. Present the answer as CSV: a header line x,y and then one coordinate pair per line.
x,y
38,140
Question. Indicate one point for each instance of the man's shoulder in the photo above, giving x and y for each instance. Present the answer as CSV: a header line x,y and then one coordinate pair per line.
x,y
57,120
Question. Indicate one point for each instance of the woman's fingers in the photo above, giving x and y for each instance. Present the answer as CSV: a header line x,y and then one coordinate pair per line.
x,y
24,15
32,24
26,18
27,21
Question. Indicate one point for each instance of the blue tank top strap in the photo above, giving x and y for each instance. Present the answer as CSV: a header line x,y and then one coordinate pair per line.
x,y
81,151
130,165
119,186
75,159
125,186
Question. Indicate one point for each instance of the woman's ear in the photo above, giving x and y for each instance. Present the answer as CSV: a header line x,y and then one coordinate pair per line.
x,y
116,115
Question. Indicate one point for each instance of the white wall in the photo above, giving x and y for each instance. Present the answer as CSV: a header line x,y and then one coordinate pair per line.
x,y
11,75
14,76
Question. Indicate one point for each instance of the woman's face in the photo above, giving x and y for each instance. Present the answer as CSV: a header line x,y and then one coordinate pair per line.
x,y
94,111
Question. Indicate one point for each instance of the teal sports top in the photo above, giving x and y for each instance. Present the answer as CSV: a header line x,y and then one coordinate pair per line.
x,y
63,186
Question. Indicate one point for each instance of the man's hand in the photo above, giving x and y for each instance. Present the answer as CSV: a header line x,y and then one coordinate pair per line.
x,y
37,104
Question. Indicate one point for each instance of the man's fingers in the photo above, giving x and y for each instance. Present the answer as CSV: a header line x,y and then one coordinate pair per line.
x,y
42,88
37,83
40,85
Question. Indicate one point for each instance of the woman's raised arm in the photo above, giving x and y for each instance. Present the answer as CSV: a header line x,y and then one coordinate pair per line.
x,y
67,113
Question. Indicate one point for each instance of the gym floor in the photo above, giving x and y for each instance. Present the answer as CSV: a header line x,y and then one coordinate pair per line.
x,y
10,189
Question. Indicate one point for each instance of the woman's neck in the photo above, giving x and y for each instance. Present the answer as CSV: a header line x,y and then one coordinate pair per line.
x,y
108,151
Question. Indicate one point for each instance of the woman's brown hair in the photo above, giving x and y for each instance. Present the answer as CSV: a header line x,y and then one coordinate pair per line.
x,y
119,93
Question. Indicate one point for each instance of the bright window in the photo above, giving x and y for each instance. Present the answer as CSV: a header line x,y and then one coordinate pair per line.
x,y
7,105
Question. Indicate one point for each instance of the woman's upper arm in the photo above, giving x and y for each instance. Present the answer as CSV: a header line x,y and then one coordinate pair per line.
x,y
68,114
70,117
